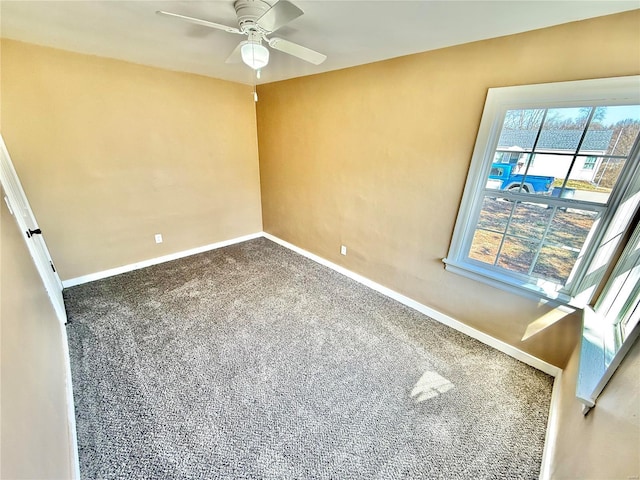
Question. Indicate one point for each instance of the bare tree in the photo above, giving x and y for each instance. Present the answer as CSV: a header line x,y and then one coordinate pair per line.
x,y
523,119
624,134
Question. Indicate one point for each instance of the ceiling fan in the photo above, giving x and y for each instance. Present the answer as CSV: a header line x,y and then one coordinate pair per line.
x,y
258,20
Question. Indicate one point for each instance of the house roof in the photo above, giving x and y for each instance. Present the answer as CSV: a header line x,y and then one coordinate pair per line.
x,y
594,141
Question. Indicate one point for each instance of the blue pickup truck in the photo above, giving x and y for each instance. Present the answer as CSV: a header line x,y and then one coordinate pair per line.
x,y
503,177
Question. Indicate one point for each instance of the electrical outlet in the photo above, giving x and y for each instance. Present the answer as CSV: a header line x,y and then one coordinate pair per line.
x,y
158,238
343,249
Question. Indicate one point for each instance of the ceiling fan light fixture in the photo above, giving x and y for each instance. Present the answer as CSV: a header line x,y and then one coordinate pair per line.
x,y
258,19
254,55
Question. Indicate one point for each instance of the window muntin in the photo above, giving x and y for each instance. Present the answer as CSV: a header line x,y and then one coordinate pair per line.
x,y
514,231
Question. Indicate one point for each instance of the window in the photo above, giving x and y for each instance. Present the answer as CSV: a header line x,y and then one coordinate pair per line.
x,y
612,326
506,157
549,229
620,299
589,163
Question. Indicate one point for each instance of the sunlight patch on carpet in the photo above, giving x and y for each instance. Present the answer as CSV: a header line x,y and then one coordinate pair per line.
x,y
429,386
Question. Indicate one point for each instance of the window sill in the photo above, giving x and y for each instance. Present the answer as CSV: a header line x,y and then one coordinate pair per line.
x,y
509,284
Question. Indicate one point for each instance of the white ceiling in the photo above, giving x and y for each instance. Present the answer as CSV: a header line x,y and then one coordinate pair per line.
x,y
348,32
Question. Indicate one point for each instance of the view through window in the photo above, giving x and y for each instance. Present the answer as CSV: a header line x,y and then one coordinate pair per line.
x,y
551,207
536,216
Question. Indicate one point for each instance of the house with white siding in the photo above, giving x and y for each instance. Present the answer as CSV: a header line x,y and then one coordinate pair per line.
x,y
553,152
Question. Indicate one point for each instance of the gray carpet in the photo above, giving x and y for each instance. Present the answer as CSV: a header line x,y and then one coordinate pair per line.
x,y
254,362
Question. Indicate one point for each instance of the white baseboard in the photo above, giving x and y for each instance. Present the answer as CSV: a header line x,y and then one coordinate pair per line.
x,y
428,311
554,408
552,429
552,425
74,459
155,261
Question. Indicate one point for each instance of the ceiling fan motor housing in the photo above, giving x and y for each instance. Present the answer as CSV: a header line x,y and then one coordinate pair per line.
x,y
256,20
248,11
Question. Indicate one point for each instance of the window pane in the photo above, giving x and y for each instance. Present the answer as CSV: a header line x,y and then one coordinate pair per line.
x,y
548,164
633,318
613,131
485,246
569,229
530,220
608,172
563,129
519,129
517,254
494,214
555,263
591,179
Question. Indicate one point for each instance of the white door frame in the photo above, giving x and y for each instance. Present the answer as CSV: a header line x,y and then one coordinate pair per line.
x,y
19,206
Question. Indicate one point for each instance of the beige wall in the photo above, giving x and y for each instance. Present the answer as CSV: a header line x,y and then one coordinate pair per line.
x,y
34,439
606,443
373,157
111,153
376,157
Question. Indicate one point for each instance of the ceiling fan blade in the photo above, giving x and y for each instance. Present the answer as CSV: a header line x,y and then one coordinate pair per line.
x,y
296,50
236,56
198,21
278,15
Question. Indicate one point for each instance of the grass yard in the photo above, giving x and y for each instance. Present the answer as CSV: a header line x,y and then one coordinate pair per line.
x,y
581,185
530,238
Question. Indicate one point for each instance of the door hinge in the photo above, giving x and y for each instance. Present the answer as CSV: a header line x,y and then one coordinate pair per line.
x,y
52,267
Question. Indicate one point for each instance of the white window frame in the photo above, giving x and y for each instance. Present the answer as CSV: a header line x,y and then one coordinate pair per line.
x,y
604,238
605,339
